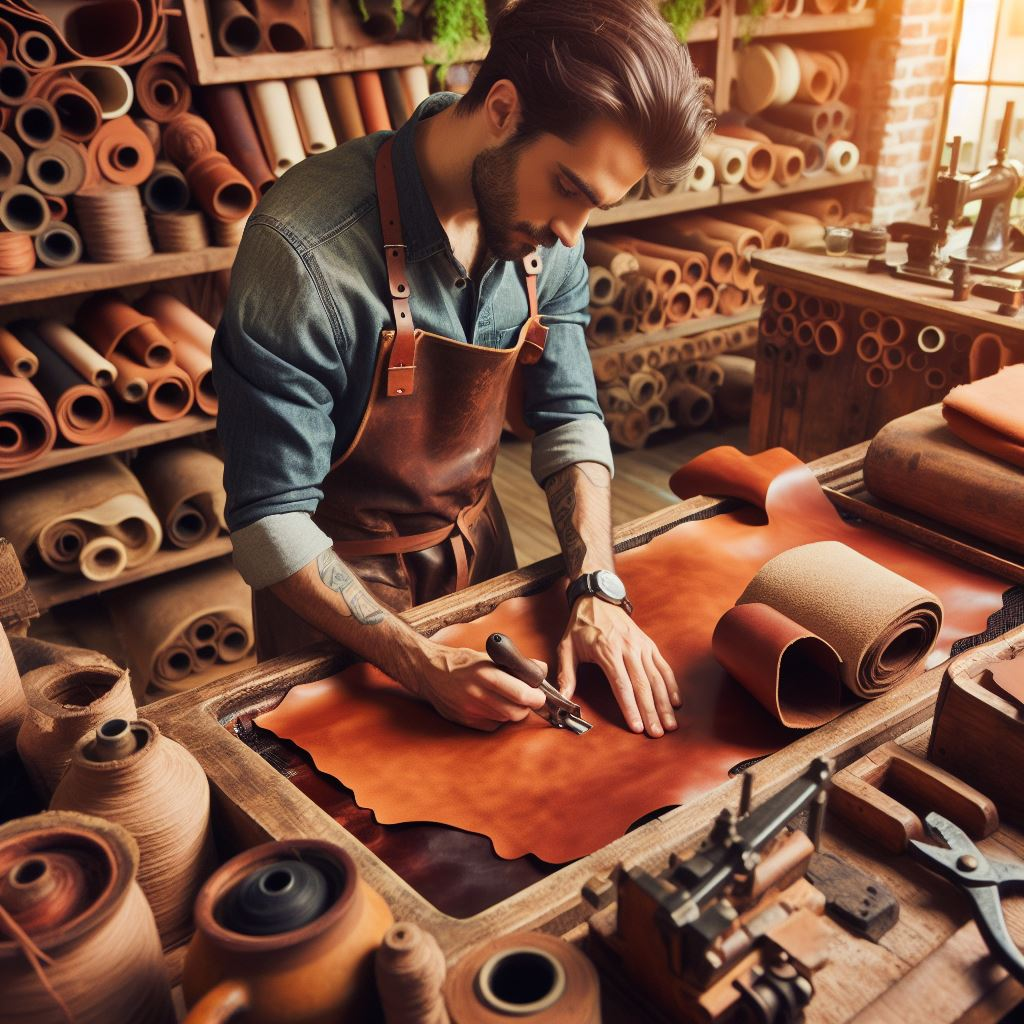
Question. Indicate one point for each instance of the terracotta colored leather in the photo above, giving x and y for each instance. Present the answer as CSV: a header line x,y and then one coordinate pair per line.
x,y
236,133
917,462
170,392
122,152
343,103
187,137
161,87
110,324
413,536
374,737
372,104
120,31
989,414
14,159
220,188
18,360
17,253
27,429
1009,677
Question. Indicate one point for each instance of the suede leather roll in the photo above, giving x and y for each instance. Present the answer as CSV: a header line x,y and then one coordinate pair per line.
x,y
76,351
18,360
395,96
232,122
222,191
185,486
989,414
161,87
169,391
311,115
681,582
27,429
91,518
153,620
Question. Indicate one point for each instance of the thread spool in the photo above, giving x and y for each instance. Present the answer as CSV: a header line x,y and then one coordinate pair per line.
x,y
64,702
410,969
128,773
842,157
79,920
869,347
529,976
702,177
930,339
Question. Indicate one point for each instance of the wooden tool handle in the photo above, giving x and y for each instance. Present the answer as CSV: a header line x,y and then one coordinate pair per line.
x,y
507,656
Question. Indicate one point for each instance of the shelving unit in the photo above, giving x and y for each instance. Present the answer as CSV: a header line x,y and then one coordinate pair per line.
x,y
723,195
687,329
806,24
53,588
89,277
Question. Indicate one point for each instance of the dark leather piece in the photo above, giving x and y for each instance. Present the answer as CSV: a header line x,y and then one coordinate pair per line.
x,y
535,789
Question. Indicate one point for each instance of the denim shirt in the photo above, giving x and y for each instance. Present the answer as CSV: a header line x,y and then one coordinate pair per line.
x,y
294,354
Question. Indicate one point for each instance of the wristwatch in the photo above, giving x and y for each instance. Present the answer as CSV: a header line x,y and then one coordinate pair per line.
x,y
603,584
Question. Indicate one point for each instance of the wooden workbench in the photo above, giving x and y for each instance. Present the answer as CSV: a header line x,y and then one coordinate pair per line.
x,y
813,404
254,800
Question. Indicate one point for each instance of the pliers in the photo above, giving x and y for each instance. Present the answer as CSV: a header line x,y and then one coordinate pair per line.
x,y
982,880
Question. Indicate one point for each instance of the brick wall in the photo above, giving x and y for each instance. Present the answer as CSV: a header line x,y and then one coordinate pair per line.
x,y
900,102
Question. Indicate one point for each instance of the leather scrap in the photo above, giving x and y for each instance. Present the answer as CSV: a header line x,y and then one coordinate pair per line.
x,y
989,414
534,789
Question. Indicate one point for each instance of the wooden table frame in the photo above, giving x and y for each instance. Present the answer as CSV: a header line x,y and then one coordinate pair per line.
x,y
254,803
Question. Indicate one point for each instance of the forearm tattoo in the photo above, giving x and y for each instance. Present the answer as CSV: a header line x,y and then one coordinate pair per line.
x,y
342,580
561,491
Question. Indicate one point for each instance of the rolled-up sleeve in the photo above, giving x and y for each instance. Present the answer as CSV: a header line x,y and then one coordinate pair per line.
x,y
560,394
278,374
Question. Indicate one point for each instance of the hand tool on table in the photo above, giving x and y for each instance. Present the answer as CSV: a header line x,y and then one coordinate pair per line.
x,y
982,880
561,712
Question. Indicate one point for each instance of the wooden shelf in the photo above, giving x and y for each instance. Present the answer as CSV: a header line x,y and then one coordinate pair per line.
x,y
138,437
703,31
89,277
53,588
723,195
806,24
687,329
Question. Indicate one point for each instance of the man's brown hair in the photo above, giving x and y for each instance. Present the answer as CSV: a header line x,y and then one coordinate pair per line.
x,y
572,61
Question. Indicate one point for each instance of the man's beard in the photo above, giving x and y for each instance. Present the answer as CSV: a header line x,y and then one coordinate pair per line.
x,y
494,188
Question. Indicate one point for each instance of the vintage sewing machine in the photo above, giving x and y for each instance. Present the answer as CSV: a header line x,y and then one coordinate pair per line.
x,y
995,247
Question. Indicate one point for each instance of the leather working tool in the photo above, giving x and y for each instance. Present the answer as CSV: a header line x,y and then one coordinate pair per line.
x,y
561,712
982,880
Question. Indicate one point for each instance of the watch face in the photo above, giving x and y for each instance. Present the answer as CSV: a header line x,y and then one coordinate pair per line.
x,y
610,585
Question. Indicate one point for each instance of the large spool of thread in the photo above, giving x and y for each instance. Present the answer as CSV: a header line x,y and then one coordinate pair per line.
x,y
129,773
77,939
410,969
12,697
526,976
288,925
65,701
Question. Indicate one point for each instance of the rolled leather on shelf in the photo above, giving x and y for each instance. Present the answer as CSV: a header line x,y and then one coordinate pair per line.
x,y
169,391
223,192
311,115
24,210
76,351
12,162
58,245
57,169
812,148
395,96
702,176
730,161
346,116
18,360
109,324
416,84
185,486
166,189
372,103
193,342
285,24
275,121
186,138
27,429
236,32
17,253
153,618
84,413
161,87
122,152
989,414
88,518
917,462
229,116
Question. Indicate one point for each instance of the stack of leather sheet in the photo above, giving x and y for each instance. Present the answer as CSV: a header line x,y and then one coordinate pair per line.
x,y
961,463
180,628
682,583
86,105
93,519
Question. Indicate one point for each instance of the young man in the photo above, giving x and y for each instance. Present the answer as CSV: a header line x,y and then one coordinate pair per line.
x,y
387,298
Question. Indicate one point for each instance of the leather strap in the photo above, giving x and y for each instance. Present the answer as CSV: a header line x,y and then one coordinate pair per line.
x,y
536,332
401,369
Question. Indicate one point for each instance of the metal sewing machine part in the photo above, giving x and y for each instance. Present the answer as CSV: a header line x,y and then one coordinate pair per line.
x,y
990,249
559,710
732,931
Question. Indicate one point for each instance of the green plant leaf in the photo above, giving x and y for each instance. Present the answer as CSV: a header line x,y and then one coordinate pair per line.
x,y
681,14
457,22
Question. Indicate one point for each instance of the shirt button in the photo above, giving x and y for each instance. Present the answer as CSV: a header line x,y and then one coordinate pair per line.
x,y
460,282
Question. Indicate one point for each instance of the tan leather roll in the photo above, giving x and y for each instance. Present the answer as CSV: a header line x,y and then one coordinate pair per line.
x,y
772,231
759,168
24,210
185,486
27,429
12,162
679,303
19,360
161,87
59,514
880,625
730,161
612,257
604,286
236,133
153,617
311,115
917,462
276,124
169,391
346,115
57,169
223,192
58,245
109,324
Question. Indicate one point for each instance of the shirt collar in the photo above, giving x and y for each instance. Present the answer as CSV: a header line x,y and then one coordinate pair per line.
x,y
423,233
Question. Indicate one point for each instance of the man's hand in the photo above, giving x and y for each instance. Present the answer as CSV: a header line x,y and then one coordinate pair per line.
x,y
643,682
465,686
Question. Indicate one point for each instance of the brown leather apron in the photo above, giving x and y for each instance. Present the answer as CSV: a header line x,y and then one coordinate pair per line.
x,y
409,505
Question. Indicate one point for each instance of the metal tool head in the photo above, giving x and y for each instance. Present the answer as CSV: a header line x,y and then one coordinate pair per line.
x,y
562,712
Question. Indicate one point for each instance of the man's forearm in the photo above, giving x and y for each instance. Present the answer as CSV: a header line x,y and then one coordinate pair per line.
x,y
332,598
579,498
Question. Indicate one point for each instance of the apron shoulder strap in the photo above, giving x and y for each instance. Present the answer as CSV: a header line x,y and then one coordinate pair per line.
x,y
536,334
401,367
